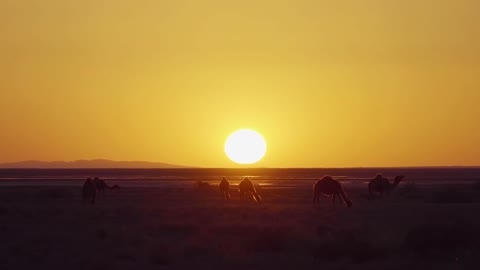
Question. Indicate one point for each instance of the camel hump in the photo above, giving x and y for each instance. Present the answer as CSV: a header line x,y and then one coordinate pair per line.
x,y
224,185
246,185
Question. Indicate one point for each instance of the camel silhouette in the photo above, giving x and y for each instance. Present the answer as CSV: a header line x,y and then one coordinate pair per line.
x,y
247,188
380,185
101,185
224,187
328,186
89,191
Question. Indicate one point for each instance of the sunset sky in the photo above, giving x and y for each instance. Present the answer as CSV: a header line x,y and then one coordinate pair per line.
x,y
327,83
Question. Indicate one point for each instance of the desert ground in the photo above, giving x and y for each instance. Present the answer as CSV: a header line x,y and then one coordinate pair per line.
x,y
193,228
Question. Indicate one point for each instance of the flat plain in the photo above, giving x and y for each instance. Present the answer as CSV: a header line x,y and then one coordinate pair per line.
x,y
416,227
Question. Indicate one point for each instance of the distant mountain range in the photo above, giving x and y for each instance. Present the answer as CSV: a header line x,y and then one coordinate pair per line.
x,y
87,164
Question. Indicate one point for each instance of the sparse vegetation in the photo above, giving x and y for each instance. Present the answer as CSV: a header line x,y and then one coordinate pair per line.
x,y
163,229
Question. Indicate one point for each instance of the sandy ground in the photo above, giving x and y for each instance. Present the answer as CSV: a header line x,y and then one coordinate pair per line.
x,y
189,228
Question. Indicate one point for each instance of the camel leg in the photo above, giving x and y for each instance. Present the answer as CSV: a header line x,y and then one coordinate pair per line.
x,y
257,197
345,198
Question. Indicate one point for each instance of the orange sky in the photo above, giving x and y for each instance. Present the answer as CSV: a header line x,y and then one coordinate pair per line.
x,y
328,83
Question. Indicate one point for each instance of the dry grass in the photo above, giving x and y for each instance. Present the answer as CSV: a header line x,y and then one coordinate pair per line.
x,y
137,228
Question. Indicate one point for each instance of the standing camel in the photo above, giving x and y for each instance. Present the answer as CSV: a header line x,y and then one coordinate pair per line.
x,y
328,186
246,188
224,187
381,185
89,191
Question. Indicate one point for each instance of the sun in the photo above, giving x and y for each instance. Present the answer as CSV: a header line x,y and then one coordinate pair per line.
x,y
245,146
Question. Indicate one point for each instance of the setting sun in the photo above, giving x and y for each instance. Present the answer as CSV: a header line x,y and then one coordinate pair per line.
x,y
245,146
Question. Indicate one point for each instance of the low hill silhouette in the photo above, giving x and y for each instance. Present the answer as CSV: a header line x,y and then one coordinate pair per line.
x,y
87,164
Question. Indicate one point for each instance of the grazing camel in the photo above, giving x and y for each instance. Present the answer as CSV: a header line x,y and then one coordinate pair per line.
x,y
101,185
328,186
381,185
246,188
224,187
89,191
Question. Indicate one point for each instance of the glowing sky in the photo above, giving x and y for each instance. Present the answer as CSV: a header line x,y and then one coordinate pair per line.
x,y
327,83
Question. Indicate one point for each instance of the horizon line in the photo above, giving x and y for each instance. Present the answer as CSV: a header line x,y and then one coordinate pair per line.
x,y
182,167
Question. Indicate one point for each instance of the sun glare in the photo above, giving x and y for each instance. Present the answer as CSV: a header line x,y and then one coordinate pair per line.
x,y
245,146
